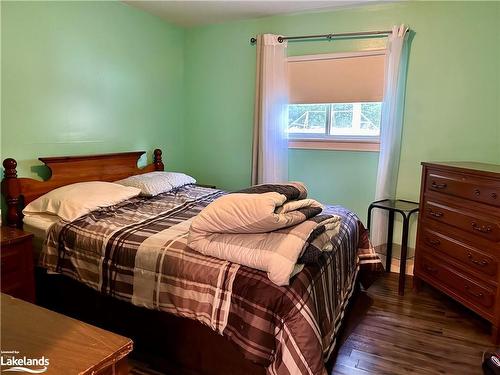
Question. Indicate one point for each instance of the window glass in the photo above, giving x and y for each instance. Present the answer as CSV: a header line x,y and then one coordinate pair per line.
x,y
334,120
307,118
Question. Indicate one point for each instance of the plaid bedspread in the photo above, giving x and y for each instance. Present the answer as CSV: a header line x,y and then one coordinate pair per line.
x,y
136,251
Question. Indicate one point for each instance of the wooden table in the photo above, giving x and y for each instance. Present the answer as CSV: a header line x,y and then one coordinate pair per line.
x,y
71,346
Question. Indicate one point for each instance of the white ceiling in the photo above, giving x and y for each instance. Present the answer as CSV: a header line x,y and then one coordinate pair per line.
x,y
188,13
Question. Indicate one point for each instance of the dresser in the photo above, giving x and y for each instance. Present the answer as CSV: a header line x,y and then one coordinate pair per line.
x,y
458,237
16,253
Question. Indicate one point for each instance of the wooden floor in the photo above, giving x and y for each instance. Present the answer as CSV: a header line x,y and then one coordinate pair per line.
x,y
425,333
385,334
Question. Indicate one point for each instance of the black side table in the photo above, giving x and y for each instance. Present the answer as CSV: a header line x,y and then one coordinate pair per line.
x,y
406,209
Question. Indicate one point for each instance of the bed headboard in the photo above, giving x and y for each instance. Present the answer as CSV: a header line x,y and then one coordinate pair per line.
x,y
67,170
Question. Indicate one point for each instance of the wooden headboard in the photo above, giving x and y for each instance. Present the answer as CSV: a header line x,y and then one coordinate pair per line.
x,y
67,170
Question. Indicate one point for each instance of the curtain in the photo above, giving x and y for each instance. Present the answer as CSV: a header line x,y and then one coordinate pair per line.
x,y
391,126
270,140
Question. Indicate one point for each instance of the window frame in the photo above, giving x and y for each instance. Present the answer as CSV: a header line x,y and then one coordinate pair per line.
x,y
327,140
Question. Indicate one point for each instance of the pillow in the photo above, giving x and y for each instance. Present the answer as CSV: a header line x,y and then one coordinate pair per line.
x,y
73,201
179,179
154,183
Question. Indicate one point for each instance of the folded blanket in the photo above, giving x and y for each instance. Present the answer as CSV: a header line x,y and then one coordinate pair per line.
x,y
266,227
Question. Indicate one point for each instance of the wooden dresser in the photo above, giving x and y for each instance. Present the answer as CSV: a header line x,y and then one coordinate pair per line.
x,y
458,238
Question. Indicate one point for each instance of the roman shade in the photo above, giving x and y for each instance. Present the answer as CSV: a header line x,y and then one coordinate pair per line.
x,y
337,78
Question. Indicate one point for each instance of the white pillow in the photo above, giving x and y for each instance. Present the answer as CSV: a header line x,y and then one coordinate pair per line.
x,y
154,183
73,201
179,179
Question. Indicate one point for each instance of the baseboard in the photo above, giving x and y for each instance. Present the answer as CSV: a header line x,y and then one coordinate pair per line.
x,y
395,262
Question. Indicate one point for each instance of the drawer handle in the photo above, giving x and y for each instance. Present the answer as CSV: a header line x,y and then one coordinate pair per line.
x,y
435,185
494,195
477,295
435,213
481,228
477,192
482,263
433,242
430,269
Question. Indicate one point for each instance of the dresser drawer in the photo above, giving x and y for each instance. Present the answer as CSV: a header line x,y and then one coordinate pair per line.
x,y
471,257
466,220
474,293
465,186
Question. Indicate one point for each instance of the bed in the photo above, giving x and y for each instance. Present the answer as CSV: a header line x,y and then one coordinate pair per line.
x,y
199,314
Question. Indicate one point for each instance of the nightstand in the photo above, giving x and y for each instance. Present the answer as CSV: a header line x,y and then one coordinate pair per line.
x,y
17,274
406,209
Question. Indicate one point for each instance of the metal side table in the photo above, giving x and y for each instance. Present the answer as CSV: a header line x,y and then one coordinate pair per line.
x,y
406,209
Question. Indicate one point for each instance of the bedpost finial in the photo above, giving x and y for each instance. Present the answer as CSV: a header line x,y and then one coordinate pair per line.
x,y
10,191
158,163
10,166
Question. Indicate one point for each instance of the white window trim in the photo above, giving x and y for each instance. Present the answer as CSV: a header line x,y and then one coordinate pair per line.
x,y
335,142
339,138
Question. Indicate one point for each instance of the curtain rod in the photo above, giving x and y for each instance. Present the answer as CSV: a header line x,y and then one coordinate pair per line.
x,y
330,36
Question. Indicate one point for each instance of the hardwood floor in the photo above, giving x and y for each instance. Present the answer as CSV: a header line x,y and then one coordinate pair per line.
x,y
425,333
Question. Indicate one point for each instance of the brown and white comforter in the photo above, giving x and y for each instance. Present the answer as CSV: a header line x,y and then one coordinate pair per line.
x,y
137,251
266,227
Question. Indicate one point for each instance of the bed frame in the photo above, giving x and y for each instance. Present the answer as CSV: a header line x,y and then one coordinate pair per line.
x,y
173,344
65,170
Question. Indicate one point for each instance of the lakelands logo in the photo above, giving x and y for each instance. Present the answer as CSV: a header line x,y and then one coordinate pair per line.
x,y
16,363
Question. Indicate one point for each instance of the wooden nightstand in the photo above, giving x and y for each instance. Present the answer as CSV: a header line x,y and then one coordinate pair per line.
x,y
16,252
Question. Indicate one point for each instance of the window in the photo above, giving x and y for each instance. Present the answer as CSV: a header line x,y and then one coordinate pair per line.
x,y
354,121
336,98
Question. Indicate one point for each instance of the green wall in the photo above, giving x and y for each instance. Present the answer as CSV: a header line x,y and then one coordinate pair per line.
x,y
89,77
452,102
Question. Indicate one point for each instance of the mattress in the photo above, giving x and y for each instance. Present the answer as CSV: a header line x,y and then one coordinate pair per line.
x,y
39,225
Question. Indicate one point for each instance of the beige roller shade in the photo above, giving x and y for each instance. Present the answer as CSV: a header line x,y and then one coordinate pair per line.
x,y
344,79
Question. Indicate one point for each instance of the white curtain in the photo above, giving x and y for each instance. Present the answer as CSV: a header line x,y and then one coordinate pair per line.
x,y
270,140
391,126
